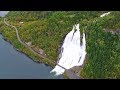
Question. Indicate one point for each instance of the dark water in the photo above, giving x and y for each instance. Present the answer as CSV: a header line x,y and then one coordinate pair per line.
x,y
15,65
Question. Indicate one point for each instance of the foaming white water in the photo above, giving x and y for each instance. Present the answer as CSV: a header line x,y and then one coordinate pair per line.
x,y
105,14
73,53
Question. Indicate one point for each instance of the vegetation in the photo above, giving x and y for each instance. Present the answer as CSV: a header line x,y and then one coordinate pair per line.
x,y
46,30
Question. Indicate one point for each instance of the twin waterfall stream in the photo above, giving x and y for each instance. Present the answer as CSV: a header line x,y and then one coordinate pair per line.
x,y
72,51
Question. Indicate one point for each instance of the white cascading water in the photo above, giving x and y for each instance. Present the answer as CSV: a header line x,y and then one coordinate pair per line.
x,y
72,52
105,14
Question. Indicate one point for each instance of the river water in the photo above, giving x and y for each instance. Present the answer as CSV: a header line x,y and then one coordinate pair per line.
x,y
16,65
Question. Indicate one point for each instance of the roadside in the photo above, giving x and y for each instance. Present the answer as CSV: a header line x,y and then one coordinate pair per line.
x,y
69,73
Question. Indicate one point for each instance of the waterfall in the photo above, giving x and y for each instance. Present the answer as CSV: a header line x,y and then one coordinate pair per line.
x,y
73,53
105,14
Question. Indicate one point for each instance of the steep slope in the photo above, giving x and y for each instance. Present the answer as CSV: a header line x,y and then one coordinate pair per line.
x,y
46,31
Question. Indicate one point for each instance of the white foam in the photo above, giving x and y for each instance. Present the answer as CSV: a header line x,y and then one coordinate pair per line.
x,y
73,53
104,14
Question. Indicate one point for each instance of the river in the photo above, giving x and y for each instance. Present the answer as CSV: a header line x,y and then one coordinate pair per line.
x,y
16,65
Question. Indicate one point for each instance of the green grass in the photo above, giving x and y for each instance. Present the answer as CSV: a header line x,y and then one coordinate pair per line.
x,y
46,30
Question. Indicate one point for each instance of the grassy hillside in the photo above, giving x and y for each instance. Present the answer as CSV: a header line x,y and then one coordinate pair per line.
x,y
46,30
103,48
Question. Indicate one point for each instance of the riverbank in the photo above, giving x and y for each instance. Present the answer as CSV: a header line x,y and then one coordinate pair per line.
x,y
23,43
68,72
47,62
4,31
22,52
52,65
65,76
16,65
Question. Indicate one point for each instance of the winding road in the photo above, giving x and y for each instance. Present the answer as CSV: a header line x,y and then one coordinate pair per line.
x,y
69,73
18,37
